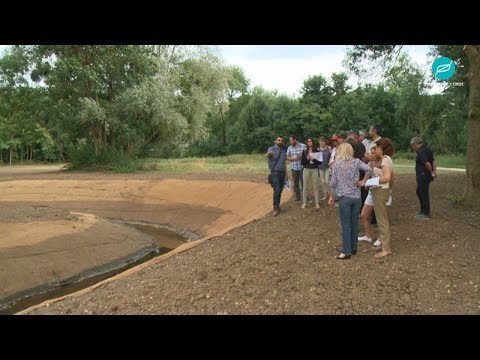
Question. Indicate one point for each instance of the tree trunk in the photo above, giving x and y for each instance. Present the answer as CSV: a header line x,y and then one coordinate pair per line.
x,y
129,150
472,184
111,137
224,128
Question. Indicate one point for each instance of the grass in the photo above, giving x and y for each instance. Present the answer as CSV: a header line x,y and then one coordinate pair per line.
x,y
250,163
257,163
239,163
448,161
18,162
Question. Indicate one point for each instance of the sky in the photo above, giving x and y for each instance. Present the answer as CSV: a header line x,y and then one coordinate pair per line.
x,y
286,67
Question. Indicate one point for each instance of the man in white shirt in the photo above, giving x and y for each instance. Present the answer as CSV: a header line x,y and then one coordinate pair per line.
x,y
294,155
362,136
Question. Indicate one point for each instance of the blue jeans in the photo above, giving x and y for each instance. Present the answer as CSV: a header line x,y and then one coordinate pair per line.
x,y
278,184
349,211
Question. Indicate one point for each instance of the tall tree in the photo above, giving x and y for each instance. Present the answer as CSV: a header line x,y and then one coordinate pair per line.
x,y
472,188
388,53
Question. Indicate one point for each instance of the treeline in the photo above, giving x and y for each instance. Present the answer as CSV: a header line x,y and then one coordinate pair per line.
x,y
99,104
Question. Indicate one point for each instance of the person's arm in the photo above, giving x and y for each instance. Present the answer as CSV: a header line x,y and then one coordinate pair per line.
x,y
290,158
428,166
368,173
386,174
392,180
434,168
332,185
269,153
332,157
424,159
286,172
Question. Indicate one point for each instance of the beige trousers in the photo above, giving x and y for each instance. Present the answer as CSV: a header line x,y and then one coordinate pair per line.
x,y
380,197
310,174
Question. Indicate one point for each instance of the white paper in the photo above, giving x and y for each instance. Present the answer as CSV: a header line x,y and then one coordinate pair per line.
x,y
317,156
373,182
288,184
389,201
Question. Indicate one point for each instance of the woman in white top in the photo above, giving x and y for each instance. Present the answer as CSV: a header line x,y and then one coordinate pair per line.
x,y
384,151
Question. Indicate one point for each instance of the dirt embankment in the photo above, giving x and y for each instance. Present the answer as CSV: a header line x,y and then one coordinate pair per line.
x,y
58,229
286,265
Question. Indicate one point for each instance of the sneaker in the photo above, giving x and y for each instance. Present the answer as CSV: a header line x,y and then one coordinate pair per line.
x,y
365,238
317,206
421,216
377,243
304,206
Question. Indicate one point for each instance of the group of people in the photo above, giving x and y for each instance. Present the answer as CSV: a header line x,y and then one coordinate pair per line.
x,y
342,169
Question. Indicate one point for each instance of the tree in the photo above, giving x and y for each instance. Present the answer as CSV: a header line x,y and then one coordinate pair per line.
x,y
316,90
387,53
340,86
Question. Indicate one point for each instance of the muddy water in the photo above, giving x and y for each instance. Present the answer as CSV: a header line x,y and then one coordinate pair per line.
x,y
166,240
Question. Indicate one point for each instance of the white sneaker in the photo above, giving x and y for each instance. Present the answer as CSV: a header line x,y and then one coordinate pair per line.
x,y
317,206
304,206
365,238
377,243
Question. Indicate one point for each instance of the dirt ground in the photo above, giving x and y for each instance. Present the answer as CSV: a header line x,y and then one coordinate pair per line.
x,y
56,231
286,265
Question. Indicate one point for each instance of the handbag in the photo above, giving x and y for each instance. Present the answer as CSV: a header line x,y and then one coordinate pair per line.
x,y
270,176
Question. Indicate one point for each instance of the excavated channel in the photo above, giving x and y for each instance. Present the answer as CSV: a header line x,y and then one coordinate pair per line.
x,y
166,239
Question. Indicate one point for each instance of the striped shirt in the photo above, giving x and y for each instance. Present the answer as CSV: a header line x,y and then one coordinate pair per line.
x,y
293,151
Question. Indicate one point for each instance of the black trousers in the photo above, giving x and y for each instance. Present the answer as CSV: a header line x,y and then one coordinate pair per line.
x,y
297,176
423,185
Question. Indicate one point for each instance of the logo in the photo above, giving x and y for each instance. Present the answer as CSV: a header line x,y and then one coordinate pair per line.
x,y
443,68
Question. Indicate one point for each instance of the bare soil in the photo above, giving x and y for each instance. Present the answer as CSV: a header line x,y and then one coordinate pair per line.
x,y
54,232
286,265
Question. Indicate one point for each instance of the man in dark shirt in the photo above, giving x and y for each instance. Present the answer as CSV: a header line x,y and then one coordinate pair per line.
x,y
277,156
425,170
358,147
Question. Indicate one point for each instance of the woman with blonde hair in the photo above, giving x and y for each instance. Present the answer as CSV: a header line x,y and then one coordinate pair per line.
x,y
345,172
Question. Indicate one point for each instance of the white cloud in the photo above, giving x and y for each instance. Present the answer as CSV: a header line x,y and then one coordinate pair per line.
x,y
285,74
2,49
286,67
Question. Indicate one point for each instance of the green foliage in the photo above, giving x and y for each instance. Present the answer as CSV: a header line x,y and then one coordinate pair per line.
x,y
456,199
240,163
85,156
118,103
